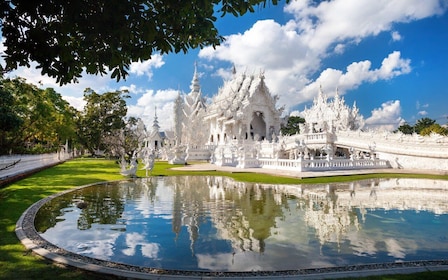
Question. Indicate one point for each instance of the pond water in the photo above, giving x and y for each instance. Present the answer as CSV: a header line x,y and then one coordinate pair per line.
x,y
216,224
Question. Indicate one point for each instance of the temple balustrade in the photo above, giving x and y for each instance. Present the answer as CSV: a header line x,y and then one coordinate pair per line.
x,y
316,152
434,146
203,152
303,165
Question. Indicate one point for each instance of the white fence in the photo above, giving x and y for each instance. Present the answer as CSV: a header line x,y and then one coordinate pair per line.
x,y
14,165
301,165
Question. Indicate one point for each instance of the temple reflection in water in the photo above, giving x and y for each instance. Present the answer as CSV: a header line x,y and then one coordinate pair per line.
x,y
217,224
257,211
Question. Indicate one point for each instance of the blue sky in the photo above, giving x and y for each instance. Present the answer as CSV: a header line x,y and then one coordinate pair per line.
x,y
390,56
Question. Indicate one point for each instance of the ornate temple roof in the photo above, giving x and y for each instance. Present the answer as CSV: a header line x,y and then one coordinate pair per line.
x,y
237,94
328,114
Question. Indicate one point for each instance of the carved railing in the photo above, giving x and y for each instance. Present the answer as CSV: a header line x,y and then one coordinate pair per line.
x,y
302,165
435,146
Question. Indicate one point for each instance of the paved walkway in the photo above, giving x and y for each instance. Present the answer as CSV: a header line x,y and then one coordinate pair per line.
x,y
296,174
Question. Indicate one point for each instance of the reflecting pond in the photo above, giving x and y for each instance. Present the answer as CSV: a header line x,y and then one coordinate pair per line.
x,y
216,224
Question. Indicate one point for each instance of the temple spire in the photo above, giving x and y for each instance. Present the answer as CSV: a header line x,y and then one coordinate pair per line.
x,y
155,124
195,86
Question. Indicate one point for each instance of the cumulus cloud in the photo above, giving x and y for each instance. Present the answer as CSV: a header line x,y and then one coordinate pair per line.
x,y
146,67
149,102
356,74
388,117
339,20
291,54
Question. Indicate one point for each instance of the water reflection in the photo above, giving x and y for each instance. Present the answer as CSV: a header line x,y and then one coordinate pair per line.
x,y
214,223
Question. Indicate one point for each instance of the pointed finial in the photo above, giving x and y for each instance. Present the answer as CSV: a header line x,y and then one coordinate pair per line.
x,y
195,86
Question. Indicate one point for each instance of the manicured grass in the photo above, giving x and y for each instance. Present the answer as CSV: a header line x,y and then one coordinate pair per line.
x,y
164,169
17,263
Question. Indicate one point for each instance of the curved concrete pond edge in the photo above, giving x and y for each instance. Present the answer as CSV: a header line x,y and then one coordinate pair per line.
x,y
30,238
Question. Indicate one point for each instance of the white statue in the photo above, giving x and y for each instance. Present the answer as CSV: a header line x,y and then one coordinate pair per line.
x,y
148,161
132,170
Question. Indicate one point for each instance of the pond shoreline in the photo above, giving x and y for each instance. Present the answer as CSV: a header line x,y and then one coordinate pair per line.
x,y
30,238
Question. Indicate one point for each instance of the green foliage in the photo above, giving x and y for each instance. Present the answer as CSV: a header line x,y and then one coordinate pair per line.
x,y
66,37
424,126
33,118
292,126
102,116
406,128
434,128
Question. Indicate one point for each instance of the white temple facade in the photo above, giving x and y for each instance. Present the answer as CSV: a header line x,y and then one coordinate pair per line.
x,y
327,115
243,109
240,127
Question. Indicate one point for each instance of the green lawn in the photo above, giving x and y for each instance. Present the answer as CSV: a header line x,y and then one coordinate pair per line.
x,y
18,263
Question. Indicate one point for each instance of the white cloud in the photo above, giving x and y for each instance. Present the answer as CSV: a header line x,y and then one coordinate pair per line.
x,y
396,36
146,106
418,105
356,74
292,53
388,117
225,74
422,113
77,102
146,67
133,89
340,20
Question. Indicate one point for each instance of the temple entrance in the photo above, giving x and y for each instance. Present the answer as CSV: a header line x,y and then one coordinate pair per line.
x,y
258,126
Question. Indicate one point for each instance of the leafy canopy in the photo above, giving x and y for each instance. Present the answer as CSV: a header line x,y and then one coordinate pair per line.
x,y
33,119
65,37
423,126
293,125
103,114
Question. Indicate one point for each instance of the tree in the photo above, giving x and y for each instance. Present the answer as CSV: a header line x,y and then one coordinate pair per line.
x,y
66,37
126,141
292,126
10,121
406,128
38,120
102,116
422,124
434,128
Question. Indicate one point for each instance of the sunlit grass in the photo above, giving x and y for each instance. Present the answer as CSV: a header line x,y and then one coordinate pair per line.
x,y
17,263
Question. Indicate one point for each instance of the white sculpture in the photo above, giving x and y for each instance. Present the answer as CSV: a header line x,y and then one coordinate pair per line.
x,y
148,160
131,170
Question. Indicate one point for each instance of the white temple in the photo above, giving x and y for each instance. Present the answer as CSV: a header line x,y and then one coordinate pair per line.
x,y
240,127
327,115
